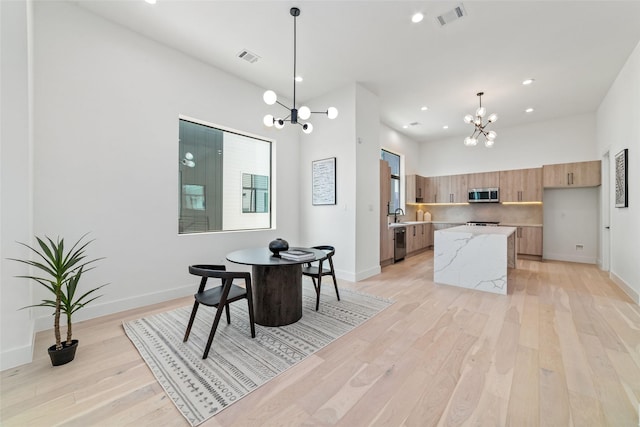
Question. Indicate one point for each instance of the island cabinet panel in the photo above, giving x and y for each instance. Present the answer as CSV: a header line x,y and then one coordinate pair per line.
x,y
483,180
386,234
530,241
521,185
578,174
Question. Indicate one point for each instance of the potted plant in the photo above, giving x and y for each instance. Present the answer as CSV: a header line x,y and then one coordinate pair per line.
x,y
63,271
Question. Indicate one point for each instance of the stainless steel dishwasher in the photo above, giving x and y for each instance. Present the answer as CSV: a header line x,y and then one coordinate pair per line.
x,y
399,243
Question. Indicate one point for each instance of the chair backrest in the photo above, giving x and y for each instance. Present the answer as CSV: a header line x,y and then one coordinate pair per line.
x,y
329,250
219,272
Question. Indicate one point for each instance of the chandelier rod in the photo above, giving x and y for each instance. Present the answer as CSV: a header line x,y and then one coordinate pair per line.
x,y
295,12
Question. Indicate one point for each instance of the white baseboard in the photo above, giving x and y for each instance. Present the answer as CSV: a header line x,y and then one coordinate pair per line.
x,y
97,309
361,275
17,356
570,258
626,288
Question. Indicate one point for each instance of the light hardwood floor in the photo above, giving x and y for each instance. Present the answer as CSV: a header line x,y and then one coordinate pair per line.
x,y
561,349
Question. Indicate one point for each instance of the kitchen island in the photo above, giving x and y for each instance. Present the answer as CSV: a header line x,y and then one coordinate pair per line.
x,y
474,257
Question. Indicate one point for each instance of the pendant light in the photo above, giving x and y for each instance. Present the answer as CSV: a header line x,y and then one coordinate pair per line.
x,y
479,126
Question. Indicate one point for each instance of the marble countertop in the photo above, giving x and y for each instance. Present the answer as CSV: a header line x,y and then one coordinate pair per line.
x,y
502,224
472,229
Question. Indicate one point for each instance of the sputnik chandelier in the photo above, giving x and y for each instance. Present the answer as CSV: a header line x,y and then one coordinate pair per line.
x,y
479,129
303,112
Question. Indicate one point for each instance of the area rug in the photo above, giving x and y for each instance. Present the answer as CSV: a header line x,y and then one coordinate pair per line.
x,y
238,364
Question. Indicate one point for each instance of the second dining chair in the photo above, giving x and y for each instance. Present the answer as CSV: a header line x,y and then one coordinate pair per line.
x,y
317,271
219,297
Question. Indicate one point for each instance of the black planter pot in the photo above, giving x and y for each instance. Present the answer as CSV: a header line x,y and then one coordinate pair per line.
x,y
64,355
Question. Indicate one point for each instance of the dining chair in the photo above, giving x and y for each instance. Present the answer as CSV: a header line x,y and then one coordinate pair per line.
x,y
317,271
219,297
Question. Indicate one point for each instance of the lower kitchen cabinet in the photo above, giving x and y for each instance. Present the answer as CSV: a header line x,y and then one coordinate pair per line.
x,y
529,241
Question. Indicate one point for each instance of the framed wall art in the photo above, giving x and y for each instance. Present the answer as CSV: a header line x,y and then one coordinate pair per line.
x,y
323,182
622,189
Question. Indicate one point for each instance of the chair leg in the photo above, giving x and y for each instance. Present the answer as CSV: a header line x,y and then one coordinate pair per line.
x,y
318,290
251,322
191,319
228,315
213,330
335,284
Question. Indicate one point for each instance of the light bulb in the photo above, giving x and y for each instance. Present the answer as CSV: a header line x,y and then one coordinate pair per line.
x,y
268,120
480,112
307,128
478,121
491,135
493,117
270,97
188,156
304,113
468,118
470,142
332,112
488,143
279,123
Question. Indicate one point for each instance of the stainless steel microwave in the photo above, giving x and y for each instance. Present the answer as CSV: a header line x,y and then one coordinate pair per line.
x,y
484,195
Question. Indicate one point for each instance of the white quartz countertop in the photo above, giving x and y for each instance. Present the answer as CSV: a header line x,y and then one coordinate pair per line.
x,y
505,231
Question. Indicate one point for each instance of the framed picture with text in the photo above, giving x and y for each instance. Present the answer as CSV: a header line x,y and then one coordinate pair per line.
x,y
323,182
622,189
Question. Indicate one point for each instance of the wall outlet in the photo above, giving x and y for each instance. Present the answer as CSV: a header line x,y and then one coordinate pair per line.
x,y
579,247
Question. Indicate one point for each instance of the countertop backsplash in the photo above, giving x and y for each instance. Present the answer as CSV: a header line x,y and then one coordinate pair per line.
x,y
506,214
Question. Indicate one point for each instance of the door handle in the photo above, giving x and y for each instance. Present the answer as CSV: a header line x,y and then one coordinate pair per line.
x,y
607,227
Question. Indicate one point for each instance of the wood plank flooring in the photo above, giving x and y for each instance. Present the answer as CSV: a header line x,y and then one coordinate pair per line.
x,y
561,349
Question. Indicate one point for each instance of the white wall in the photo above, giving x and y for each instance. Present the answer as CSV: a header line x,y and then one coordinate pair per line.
x,y
16,326
571,220
569,139
618,127
367,183
106,112
331,224
394,141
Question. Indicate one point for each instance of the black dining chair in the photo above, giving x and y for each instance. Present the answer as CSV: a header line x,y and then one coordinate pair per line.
x,y
219,297
317,271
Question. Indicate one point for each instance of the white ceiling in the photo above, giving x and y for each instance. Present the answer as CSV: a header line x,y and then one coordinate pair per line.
x,y
573,50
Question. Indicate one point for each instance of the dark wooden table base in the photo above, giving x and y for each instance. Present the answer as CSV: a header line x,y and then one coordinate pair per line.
x,y
277,294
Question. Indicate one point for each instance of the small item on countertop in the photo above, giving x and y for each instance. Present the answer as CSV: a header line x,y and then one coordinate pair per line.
x,y
420,215
427,216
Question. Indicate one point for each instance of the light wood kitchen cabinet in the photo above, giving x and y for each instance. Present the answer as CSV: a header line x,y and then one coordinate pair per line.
x,y
386,234
483,180
427,235
446,189
413,238
579,174
521,185
415,191
529,240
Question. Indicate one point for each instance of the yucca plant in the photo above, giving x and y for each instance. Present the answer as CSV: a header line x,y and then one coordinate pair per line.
x,y
63,272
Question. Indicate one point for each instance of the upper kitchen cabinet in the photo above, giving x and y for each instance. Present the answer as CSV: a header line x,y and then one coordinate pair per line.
x,y
415,189
483,180
579,174
521,185
446,189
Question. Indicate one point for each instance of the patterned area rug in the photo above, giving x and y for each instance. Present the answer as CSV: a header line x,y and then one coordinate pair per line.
x,y
238,364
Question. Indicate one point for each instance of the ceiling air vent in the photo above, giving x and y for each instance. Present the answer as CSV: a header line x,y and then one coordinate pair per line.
x,y
248,56
455,13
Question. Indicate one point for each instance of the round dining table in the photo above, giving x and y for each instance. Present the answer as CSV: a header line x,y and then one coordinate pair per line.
x,y
276,284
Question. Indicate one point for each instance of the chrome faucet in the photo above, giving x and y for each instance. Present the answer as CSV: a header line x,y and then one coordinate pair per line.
x,y
395,214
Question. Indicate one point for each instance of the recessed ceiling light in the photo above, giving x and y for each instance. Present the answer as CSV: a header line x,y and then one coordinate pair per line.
x,y
424,108
298,79
529,110
417,17
445,127
151,1
527,82
405,127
